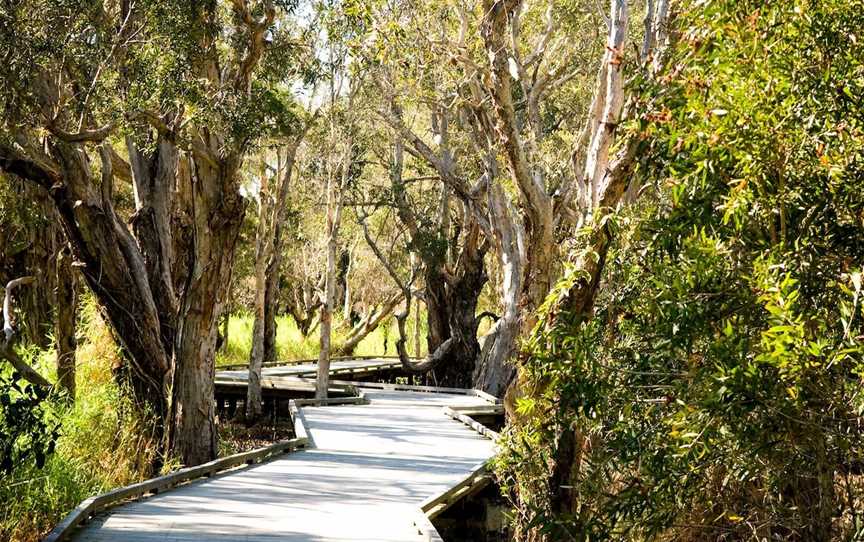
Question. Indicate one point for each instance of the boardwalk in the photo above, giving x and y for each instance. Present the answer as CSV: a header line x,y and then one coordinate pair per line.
x,y
369,468
307,370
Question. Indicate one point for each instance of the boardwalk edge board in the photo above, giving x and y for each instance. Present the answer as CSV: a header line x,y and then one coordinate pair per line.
x,y
479,477
462,415
92,505
413,387
425,530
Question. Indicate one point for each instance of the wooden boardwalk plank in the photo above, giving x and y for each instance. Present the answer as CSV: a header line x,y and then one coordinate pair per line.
x,y
372,468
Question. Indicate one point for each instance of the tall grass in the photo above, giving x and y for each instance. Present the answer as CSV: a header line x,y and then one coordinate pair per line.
x,y
292,345
101,446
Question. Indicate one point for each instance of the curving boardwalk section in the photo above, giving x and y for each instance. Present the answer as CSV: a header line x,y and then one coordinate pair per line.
x,y
368,469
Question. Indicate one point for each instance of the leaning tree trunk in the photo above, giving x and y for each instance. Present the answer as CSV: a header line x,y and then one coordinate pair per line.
x,y
368,325
109,260
114,269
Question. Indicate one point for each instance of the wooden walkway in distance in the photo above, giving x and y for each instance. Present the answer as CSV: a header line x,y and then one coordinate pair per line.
x,y
297,379
367,472
338,368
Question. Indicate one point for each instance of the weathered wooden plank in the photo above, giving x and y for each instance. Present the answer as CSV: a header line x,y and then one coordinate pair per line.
x,y
72,520
487,396
473,424
475,480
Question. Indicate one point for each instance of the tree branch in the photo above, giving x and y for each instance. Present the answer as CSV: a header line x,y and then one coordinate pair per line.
x,y
93,135
255,47
6,350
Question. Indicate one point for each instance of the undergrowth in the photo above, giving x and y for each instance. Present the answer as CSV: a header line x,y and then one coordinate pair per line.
x,y
101,444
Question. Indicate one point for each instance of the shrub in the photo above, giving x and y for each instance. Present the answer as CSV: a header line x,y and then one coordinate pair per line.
x,y
717,395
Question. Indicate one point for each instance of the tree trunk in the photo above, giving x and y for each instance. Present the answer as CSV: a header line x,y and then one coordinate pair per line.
x,y
64,331
495,371
109,260
462,319
437,307
218,216
114,269
136,280
268,258
271,300
323,381
342,267
153,177
263,250
453,359
334,217
346,298
417,329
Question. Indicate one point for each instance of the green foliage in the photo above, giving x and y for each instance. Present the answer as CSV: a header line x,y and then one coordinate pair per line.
x,y
27,433
716,394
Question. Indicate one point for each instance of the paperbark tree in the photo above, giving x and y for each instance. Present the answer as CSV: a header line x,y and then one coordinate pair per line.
x,y
268,258
263,252
341,164
160,289
599,190
501,85
337,181
449,249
